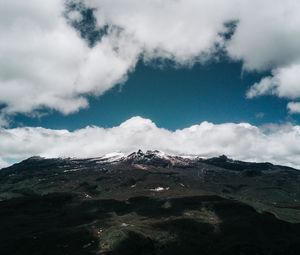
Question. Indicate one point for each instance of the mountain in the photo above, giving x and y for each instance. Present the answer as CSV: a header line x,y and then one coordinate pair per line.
x,y
149,203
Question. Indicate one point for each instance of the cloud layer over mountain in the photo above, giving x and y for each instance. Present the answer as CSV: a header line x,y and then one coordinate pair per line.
x,y
45,62
277,144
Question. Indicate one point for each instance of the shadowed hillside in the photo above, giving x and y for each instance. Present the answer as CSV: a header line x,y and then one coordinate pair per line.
x,y
148,203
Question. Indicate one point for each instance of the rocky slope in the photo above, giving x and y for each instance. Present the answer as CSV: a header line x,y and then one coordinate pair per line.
x,y
149,203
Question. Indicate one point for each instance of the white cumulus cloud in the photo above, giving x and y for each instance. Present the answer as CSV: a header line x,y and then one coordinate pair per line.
x,y
276,144
294,107
182,30
284,82
267,34
265,38
45,63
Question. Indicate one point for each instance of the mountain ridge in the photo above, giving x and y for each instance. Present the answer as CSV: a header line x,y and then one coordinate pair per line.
x,y
167,160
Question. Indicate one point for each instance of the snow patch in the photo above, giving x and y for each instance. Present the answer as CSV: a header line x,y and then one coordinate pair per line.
x,y
111,157
159,189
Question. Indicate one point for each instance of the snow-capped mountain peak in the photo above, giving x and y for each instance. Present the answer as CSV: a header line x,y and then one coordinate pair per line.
x,y
149,154
139,157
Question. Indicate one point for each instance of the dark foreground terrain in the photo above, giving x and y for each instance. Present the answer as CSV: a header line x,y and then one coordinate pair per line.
x,y
149,203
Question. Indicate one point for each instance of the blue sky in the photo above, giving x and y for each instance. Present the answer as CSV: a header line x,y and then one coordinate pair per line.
x,y
175,98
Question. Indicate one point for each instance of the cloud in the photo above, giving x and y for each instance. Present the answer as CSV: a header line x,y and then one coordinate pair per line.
x,y
46,63
182,30
274,143
284,82
267,38
267,34
294,107
3,163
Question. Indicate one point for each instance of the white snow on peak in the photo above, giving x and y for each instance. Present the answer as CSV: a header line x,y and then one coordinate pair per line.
x,y
111,157
140,156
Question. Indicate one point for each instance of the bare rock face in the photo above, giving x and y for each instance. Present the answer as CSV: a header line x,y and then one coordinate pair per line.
x,y
149,203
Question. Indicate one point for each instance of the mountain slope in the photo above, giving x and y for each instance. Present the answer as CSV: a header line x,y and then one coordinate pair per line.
x,y
149,203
